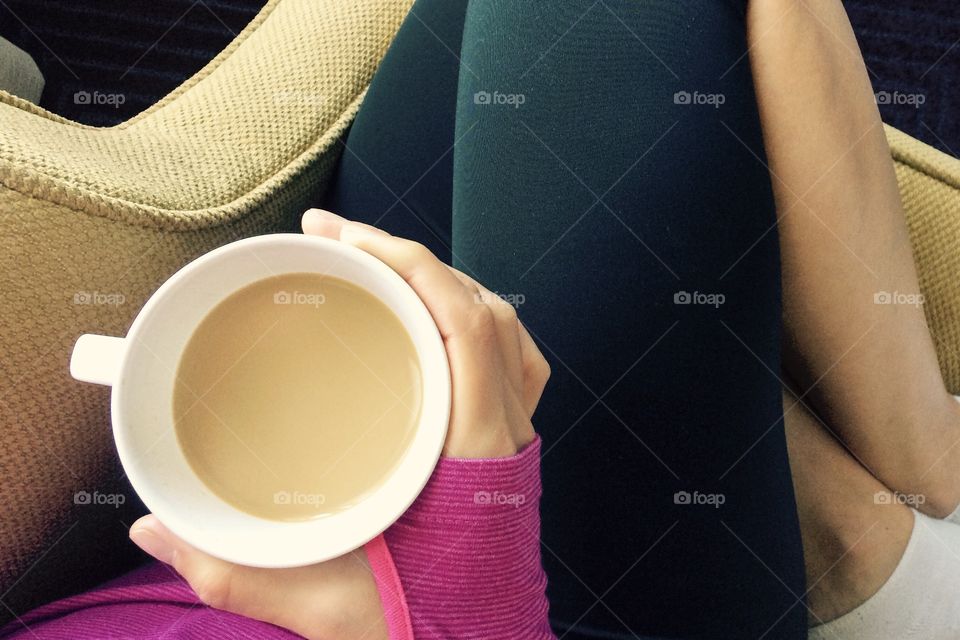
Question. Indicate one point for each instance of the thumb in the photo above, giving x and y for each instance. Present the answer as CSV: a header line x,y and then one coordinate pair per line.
x,y
336,597
213,580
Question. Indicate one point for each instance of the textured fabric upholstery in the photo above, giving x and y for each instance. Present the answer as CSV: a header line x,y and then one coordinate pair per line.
x,y
92,220
930,190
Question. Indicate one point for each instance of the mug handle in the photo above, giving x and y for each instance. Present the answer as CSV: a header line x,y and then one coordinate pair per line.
x,y
97,358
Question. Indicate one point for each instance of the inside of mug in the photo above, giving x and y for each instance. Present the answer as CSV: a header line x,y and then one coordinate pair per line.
x,y
143,407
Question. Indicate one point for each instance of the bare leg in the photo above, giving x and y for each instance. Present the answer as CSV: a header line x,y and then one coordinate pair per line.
x,y
852,542
869,370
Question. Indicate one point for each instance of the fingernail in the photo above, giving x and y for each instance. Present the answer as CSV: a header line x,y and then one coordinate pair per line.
x,y
323,213
151,542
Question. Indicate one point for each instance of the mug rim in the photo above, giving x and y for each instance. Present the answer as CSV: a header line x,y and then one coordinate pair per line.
x,y
424,449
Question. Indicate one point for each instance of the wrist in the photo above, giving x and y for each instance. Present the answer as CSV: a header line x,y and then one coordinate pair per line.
x,y
482,491
468,549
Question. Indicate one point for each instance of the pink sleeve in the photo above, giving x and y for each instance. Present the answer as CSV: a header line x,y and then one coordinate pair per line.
x,y
464,561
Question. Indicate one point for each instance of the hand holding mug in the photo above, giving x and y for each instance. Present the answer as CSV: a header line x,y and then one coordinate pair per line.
x,y
497,371
498,375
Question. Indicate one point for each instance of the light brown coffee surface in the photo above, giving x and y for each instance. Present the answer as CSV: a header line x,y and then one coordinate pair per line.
x,y
296,396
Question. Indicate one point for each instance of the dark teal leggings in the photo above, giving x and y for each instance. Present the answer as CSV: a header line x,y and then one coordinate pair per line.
x,y
601,164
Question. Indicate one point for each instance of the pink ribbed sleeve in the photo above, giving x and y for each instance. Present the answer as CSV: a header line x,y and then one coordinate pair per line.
x,y
467,554
462,563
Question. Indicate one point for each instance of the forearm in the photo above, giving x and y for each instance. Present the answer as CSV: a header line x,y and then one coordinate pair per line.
x,y
467,554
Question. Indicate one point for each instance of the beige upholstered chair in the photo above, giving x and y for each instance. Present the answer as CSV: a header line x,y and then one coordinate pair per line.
x,y
93,220
930,191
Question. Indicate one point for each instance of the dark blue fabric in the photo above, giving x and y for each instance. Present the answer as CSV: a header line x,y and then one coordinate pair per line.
x,y
552,107
139,50
912,47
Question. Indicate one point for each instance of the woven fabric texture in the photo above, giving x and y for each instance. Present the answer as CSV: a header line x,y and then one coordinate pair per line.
x,y
92,220
930,190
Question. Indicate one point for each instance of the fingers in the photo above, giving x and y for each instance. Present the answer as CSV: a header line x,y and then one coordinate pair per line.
x,y
412,261
505,321
319,222
527,364
448,301
498,374
446,296
536,370
214,581
314,223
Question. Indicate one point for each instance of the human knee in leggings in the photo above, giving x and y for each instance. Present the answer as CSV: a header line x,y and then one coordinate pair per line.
x,y
610,173
608,177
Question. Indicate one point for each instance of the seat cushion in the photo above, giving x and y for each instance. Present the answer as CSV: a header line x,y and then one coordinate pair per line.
x,y
239,149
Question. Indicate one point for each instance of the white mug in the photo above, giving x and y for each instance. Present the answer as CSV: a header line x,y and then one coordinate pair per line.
x,y
142,367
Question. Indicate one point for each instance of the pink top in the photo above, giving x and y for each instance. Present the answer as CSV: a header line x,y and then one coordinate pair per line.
x,y
463,562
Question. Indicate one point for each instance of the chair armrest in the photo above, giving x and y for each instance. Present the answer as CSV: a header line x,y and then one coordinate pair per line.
x,y
240,149
255,116
930,191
